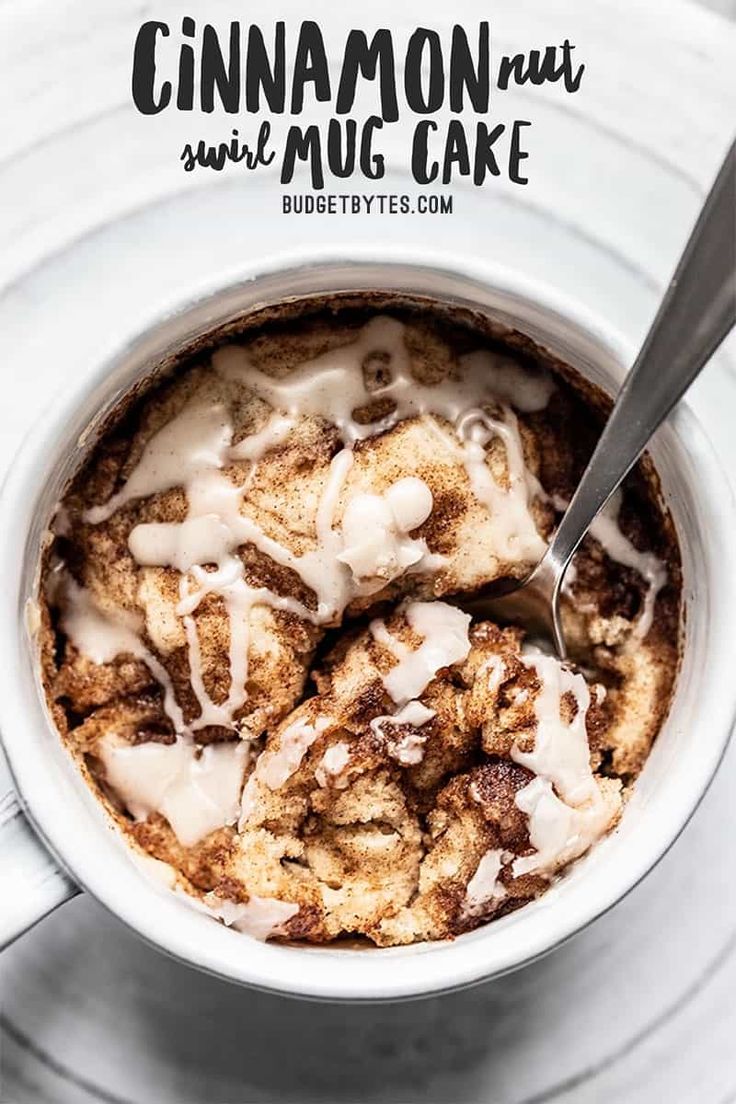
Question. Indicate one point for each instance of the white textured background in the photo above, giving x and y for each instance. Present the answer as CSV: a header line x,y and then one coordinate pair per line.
x,y
97,224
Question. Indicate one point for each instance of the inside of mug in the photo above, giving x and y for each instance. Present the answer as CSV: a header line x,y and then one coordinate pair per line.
x,y
618,860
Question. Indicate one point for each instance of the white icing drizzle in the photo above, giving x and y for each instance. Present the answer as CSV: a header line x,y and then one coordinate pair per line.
x,y
494,670
211,533
607,531
331,767
387,640
255,447
98,634
375,533
515,535
320,569
276,765
332,386
408,748
445,631
565,807
373,545
259,917
214,529
484,886
510,383
191,442
197,793
101,635
561,752
558,832
248,801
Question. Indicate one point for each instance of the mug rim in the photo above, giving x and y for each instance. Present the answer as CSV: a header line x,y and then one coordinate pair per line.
x,y
299,974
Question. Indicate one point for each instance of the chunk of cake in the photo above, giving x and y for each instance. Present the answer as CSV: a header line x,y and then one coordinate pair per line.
x,y
441,776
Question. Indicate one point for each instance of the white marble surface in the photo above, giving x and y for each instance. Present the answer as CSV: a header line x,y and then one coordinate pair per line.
x,y
96,219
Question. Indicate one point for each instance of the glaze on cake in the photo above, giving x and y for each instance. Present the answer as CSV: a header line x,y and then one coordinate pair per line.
x,y
251,648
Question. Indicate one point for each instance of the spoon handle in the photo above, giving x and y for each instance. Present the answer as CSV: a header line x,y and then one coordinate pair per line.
x,y
696,314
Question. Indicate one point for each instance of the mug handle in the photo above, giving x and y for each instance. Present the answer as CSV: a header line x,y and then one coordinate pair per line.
x,y
31,883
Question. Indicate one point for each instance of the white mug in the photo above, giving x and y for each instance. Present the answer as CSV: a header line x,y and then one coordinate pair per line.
x,y
76,844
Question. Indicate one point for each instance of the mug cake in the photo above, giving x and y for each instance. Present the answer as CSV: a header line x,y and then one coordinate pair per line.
x,y
251,646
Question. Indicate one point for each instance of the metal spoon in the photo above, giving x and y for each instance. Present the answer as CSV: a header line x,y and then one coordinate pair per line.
x,y
696,313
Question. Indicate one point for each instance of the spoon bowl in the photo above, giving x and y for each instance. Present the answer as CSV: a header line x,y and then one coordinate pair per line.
x,y
532,602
